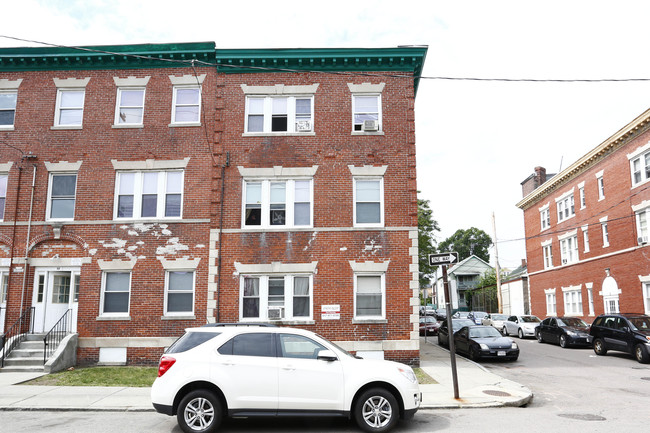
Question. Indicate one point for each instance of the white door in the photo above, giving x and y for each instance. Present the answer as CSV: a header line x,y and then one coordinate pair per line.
x,y
55,291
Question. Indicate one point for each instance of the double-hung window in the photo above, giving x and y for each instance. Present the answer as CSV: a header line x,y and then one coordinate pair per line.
x,y
640,165
645,287
62,196
369,296
585,238
569,248
116,289
548,255
186,100
277,197
601,186
642,213
4,284
545,217
149,194
565,207
71,93
279,109
129,109
368,195
276,297
581,195
179,288
551,307
7,108
605,229
3,194
366,107
572,301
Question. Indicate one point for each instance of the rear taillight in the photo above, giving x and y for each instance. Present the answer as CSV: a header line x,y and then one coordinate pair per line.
x,y
165,364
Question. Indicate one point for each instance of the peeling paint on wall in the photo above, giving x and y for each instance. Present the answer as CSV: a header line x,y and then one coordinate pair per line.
x,y
172,247
313,237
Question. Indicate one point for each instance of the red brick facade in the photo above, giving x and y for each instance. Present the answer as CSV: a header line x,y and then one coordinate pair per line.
x,y
610,269
213,248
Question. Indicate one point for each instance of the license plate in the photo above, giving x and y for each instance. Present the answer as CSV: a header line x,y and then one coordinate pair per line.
x,y
501,353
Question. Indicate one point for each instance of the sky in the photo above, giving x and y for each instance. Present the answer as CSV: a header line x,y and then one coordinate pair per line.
x,y
477,140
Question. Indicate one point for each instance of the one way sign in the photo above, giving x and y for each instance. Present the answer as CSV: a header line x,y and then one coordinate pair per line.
x,y
443,259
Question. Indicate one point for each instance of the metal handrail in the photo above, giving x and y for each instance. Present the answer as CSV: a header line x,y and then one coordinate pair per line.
x,y
16,333
55,335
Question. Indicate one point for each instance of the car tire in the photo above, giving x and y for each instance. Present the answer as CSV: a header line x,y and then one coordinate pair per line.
x,y
199,412
563,342
539,336
505,331
376,411
520,333
473,355
599,347
641,354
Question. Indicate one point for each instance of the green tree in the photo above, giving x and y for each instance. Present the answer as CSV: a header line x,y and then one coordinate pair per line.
x,y
427,226
468,242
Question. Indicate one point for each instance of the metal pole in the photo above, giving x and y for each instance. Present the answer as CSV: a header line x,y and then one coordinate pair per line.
x,y
452,347
498,270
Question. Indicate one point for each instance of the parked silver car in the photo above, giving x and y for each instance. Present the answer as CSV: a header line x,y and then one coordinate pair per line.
x,y
495,319
523,326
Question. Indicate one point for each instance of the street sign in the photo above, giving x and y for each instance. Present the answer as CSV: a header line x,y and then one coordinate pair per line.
x,y
443,259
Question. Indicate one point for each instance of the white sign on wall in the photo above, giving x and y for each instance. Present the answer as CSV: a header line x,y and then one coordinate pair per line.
x,y
330,312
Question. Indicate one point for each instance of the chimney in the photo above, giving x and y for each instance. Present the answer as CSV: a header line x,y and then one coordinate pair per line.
x,y
523,263
533,181
540,176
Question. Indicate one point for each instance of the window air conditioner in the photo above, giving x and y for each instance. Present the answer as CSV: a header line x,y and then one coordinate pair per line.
x,y
276,313
303,126
370,125
642,240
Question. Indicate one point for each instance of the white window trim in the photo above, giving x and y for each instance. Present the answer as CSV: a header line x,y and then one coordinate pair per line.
x,y
4,171
567,258
605,231
368,172
114,268
11,87
600,183
55,169
186,82
130,83
279,90
565,196
137,195
545,217
179,314
371,269
585,237
69,84
565,292
581,195
590,298
550,295
640,152
368,89
547,248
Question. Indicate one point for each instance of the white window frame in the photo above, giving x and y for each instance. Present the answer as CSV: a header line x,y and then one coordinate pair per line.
x,y
585,238
581,194
551,302
119,107
565,206
4,182
645,291
640,165
168,291
103,294
69,85
601,185
51,199
138,185
547,253
382,292
368,173
572,300
642,219
367,90
605,229
569,248
288,296
545,217
187,82
9,109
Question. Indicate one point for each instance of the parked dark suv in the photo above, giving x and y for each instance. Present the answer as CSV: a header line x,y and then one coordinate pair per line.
x,y
628,333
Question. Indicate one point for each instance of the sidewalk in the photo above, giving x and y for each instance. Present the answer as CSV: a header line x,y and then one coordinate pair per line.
x,y
477,388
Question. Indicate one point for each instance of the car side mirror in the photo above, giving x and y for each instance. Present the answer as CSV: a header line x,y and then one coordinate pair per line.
x,y
327,355
625,329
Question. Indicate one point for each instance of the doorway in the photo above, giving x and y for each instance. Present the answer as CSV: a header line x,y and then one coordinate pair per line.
x,y
55,291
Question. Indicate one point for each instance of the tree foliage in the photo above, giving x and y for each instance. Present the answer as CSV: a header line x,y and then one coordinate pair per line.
x,y
468,242
427,226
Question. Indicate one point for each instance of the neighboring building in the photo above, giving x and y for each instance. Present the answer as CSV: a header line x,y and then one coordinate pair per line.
x,y
463,276
515,296
587,230
176,184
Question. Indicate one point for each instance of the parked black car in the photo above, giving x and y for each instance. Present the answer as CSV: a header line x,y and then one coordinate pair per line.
x,y
628,333
443,331
480,341
565,331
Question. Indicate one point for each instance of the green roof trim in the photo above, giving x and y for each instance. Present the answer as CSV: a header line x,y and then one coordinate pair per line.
x,y
403,59
141,56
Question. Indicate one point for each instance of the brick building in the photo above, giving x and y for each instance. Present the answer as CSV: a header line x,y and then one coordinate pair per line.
x,y
587,232
148,188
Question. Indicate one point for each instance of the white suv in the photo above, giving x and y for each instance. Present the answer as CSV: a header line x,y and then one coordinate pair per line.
x,y
230,370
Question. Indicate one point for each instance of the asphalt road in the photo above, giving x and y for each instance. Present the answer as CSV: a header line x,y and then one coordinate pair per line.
x,y
574,390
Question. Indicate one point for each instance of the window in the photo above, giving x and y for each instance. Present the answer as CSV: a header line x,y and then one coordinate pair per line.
x,y
642,217
3,195
601,188
297,346
276,296
368,202
572,301
585,238
4,283
61,289
277,203
250,344
179,298
115,293
551,307
186,105
149,194
569,249
640,167
7,108
69,107
565,207
366,108
289,114
646,296
545,217
130,106
548,256
62,196
581,191
369,297
603,225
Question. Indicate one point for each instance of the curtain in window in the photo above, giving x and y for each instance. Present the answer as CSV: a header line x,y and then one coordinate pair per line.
x,y
251,301
301,297
116,292
369,299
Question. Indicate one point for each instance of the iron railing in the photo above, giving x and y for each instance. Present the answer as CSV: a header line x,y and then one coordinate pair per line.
x,y
56,334
16,334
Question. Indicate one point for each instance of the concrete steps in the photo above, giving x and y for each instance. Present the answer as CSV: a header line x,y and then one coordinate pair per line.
x,y
27,356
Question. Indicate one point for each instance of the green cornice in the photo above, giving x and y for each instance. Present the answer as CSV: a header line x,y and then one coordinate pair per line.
x,y
405,59
140,56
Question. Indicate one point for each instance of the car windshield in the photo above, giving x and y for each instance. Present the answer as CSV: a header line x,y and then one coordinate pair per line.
x,y
487,332
530,319
572,321
640,323
479,314
499,317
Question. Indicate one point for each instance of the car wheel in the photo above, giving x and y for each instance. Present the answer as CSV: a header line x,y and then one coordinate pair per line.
x,y
540,338
520,333
505,331
641,354
376,410
473,355
599,347
199,412
563,341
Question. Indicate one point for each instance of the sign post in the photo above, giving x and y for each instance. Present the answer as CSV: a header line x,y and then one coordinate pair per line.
x,y
444,260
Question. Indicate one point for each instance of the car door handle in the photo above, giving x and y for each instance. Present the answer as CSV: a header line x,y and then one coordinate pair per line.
x,y
289,367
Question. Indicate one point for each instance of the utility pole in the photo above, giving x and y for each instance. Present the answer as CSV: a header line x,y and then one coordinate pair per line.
x,y
496,258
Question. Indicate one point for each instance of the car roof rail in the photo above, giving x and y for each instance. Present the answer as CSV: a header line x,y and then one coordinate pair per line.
x,y
245,324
